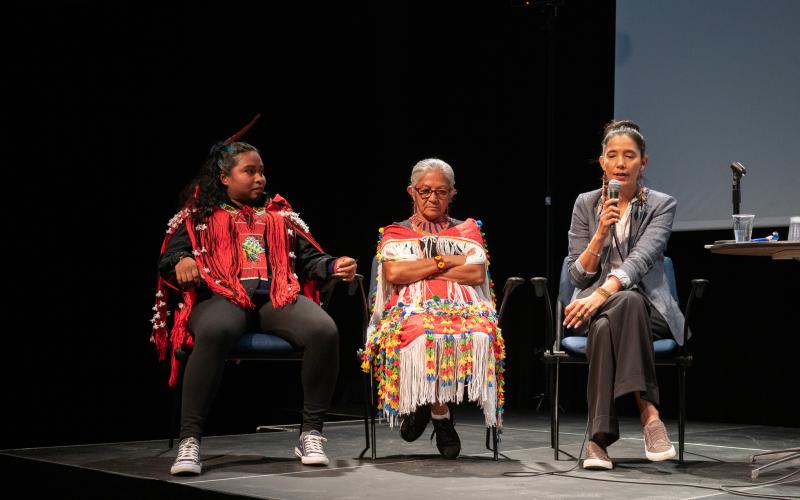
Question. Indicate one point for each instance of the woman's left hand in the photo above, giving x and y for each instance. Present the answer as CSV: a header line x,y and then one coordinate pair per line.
x,y
580,310
345,268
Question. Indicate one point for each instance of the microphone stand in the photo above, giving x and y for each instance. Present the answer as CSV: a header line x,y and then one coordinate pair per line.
x,y
736,190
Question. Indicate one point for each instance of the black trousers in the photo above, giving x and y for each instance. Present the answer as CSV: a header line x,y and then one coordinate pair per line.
x,y
621,360
217,324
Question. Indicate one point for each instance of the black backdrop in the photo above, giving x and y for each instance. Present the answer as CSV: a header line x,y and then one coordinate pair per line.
x,y
113,107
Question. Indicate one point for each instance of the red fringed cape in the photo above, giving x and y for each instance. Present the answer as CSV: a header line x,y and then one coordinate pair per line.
x,y
216,253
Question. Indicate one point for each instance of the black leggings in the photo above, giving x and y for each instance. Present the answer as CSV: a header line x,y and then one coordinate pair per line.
x,y
217,323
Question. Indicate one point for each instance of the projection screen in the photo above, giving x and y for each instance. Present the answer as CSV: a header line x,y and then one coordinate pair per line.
x,y
712,82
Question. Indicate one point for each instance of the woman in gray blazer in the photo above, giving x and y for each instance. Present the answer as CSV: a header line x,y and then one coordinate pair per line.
x,y
622,302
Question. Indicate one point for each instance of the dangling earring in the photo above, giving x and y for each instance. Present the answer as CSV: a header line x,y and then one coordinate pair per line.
x,y
604,189
641,192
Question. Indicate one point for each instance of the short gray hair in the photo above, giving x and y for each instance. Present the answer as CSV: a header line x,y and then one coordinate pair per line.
x,y
429,164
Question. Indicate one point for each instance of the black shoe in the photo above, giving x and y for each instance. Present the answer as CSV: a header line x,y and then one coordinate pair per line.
x,y
414,424
446,437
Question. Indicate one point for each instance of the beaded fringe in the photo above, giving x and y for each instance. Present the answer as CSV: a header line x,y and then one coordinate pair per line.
x,y
417,389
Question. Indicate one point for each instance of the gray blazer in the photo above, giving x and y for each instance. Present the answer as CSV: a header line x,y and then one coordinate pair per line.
x,y
643,266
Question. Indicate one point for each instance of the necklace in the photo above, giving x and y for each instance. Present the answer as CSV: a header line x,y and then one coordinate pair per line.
x,y
423,225
234,210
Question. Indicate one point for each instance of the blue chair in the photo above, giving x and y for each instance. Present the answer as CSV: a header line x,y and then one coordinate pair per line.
x,y
257,346
571,350
492,438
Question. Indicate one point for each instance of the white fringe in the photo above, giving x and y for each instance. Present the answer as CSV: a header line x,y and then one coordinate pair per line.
x,y
416,390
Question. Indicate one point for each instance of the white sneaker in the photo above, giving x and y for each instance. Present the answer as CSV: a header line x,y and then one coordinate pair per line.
x,y
309,449
188,459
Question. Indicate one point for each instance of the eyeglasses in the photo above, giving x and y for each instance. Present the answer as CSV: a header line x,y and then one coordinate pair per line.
x,y
426,193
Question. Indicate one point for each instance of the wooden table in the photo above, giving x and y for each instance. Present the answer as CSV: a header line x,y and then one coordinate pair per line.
x,y
776,249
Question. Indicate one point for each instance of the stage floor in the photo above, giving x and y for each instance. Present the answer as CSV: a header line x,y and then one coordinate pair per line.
x,y
262,465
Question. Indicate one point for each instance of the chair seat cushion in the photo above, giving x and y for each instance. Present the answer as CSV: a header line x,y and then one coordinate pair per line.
x,y
262,343
577,345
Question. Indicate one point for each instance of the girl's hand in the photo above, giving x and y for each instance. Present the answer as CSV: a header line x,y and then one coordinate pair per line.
x,y
187,273
345,268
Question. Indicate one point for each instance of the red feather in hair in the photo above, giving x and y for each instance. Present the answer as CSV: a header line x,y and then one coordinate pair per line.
x,y
238,135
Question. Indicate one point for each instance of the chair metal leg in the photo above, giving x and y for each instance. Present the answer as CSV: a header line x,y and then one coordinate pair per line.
x,y
372,418
681,411
494,448
367,409
554,410
549,388
494,444
545,395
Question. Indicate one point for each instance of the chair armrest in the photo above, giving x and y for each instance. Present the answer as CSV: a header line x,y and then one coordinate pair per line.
x,y
540,288
511,284
699,286
329,286
698,290
357,285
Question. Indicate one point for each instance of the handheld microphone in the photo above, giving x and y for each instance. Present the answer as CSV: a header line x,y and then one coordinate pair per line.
x,y
738,169
614,187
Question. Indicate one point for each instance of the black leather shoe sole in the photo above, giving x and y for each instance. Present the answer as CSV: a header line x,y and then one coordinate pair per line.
x,y
447,440
414,425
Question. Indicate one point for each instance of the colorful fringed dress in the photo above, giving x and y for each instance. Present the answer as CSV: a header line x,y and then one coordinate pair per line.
x,y
434,339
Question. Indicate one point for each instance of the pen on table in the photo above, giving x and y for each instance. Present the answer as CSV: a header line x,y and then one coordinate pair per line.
x,y
773,237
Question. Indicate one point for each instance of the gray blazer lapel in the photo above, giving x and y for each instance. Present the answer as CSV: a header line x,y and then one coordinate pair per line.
x,y
637,221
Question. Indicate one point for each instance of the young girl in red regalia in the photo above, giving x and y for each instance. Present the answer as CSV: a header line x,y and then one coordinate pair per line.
x,y
240,259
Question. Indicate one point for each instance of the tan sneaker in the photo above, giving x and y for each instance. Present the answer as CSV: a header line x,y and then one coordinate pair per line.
x,y
657,445
596,458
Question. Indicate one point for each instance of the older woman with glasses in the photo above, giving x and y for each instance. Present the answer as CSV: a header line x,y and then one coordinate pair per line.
x,y
433,338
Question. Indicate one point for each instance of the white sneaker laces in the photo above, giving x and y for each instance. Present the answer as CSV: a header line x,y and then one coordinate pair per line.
x,y
312,444
189,450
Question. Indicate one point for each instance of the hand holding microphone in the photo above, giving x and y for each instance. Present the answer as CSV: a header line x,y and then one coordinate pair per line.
x,y
610,213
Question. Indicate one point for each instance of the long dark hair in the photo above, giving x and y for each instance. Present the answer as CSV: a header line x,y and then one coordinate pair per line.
x,y
206,190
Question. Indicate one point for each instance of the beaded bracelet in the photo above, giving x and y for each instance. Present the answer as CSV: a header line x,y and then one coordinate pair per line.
x,y
593,253
440,265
